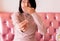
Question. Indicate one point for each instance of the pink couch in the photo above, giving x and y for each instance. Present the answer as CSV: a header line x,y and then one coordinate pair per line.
x,y
50,20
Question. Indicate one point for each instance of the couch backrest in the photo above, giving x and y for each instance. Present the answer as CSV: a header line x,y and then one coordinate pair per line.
x,y
50,20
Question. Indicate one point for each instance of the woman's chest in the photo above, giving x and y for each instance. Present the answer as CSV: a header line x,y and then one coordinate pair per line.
x,y
29,18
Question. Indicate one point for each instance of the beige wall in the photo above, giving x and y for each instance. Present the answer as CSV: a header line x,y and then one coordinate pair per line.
x,y
1,5
48,5
9,5
42,5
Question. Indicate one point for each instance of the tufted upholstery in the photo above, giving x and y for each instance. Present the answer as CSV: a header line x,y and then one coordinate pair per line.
x,y
51,22
7,27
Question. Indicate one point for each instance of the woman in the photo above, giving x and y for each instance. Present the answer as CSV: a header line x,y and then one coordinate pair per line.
x,y
26,21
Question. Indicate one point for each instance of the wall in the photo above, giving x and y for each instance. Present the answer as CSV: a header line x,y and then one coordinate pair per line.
x,y
48,5
1,7
42,5
9,5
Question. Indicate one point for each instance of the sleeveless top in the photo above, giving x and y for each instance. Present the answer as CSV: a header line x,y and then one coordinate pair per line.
x,y
29,34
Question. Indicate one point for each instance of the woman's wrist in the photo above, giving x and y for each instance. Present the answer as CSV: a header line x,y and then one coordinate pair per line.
x,y
33,13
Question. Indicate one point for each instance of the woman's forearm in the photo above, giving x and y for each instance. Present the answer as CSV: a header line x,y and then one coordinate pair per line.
x,y
38,21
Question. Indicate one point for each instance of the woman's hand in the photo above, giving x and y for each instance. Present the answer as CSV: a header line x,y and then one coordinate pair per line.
x,y
30,10
23,25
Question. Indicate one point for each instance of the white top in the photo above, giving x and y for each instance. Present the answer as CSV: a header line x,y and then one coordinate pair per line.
x,y
32,26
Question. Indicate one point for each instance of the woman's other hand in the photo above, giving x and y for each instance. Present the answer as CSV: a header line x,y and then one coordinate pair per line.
x,y
23,25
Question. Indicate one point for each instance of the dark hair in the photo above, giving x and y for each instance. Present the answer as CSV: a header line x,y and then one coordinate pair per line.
x,y
32,3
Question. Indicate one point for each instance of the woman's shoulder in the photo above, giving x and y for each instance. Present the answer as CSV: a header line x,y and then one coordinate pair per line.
x,y
15,14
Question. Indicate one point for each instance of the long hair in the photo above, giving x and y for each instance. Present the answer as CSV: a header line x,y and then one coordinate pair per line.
x,y
32,3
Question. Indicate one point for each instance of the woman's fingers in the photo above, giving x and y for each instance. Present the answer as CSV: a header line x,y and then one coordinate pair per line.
x,y
22,24
29,10
22,29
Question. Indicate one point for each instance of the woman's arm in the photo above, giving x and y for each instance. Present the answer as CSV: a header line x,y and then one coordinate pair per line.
x,y
36,18
38,21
